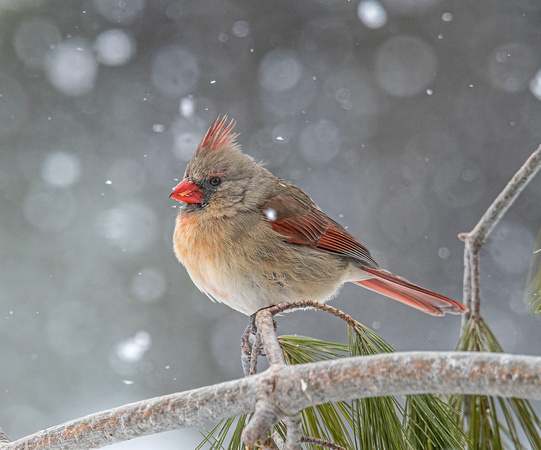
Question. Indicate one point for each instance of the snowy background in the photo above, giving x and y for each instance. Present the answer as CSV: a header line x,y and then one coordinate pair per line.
x,y
403,120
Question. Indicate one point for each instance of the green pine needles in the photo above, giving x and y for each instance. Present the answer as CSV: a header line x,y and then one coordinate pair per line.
x,y
415,422
424,422
494,422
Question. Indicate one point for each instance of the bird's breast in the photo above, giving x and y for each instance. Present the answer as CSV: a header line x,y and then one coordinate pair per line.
x,y
210,251
194,240
199,247
243,263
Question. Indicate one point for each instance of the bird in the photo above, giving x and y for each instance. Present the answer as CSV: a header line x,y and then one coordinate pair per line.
x,y
251,240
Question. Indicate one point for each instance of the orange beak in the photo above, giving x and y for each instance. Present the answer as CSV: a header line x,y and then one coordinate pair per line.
x,y
187,192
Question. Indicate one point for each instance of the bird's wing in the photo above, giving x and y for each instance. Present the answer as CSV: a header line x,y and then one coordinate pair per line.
x,y
300,221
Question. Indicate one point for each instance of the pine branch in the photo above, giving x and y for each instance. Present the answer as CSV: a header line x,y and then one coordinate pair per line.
x,y
474,240
266,412
291,389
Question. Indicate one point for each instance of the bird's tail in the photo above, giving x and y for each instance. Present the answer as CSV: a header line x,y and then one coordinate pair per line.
x,y
400,289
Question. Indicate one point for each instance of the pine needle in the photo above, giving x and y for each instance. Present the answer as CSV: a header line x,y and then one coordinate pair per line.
x,y
332,421
377,420
431,423
426,421
302,349
217,436
487,430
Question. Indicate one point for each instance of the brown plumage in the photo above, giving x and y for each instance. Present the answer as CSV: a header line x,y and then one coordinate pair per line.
x,y
251,240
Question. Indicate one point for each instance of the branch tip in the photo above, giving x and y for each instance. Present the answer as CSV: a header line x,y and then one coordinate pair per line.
x,y
475,239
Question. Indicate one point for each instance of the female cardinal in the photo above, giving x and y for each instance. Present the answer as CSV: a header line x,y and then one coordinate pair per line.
x,y
251,240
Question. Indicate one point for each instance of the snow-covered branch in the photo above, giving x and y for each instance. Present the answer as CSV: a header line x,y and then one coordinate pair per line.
x,y
474,240
293,388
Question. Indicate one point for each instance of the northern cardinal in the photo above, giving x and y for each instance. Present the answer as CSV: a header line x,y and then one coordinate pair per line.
x,y
251,240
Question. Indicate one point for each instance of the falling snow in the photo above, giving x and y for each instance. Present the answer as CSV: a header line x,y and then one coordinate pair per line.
x,y
401,119
270,214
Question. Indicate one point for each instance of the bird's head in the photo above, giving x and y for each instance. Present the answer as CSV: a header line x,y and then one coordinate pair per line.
x,y
219,177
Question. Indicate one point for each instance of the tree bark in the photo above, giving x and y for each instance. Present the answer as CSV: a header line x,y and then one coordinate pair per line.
x,y
291,389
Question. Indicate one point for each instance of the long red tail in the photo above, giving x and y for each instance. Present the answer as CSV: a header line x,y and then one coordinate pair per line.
x,y
402,290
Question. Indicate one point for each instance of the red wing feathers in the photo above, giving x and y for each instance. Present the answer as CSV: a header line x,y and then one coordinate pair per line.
x,y
304,224
338,240
301,222
304,230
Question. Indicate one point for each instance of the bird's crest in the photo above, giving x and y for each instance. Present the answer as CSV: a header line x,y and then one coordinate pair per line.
x,y
218,135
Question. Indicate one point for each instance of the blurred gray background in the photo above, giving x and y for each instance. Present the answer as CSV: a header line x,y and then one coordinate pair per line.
x,y
403,120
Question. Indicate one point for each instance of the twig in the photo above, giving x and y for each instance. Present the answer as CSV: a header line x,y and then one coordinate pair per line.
x,y
246,347
294,436
466,296
297,387
246,362
307,440
277,309
506,198
265,327
475,239
266,410
266,414
475,310
278,441
247,358
256,348
245,338
322,443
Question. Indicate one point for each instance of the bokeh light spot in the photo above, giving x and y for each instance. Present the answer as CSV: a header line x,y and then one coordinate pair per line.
x,y
405,65
320,142
280,70
444,252
130,227
72,68
175,71
187,134
460,182
535,85
125,358
61,169
120,11
132,350
512,66
34,39
148,285
510,246
241,28
372,14
114,47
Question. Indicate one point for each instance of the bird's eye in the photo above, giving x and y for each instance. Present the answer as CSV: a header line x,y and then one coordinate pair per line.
x,y
215,181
